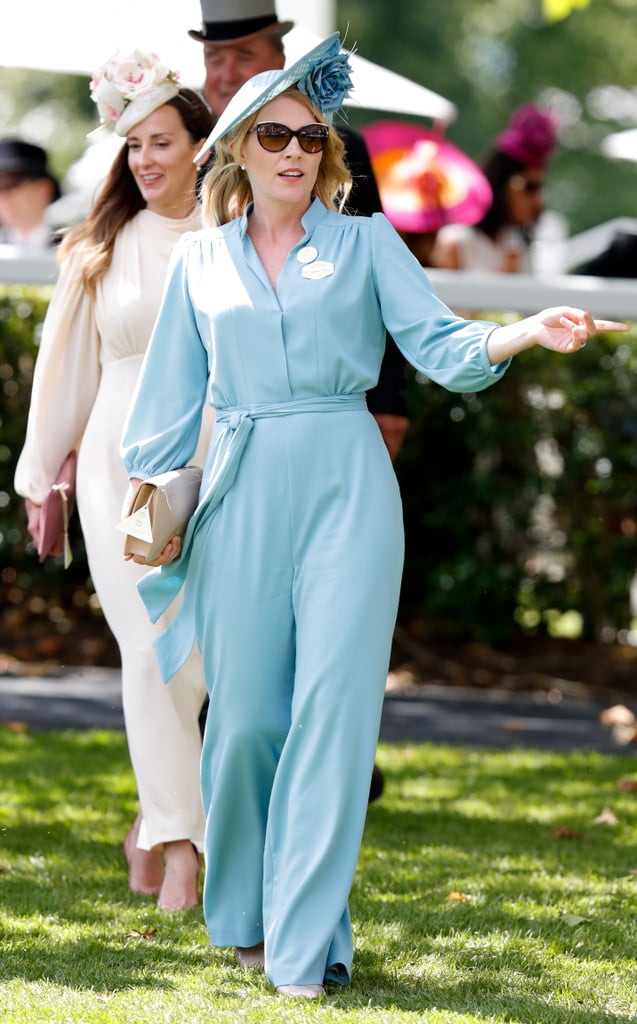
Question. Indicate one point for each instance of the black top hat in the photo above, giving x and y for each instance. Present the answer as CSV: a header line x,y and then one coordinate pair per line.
x,y
25,160
228,21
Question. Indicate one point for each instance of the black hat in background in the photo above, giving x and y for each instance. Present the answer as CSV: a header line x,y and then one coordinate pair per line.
x,y
24,160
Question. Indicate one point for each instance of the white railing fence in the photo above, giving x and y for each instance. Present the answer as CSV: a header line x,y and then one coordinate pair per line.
x,y
610,298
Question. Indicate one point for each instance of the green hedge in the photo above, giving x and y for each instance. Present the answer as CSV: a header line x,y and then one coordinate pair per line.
x,y
22,578
520,502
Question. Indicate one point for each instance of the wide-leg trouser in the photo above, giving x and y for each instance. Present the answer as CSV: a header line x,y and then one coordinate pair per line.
x,y
161,720
297,590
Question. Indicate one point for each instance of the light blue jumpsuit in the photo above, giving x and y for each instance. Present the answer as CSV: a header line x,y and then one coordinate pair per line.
x,y
293,559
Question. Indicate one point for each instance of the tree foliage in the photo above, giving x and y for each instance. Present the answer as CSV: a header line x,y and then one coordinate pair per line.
x,y
485,55
488,57
50,109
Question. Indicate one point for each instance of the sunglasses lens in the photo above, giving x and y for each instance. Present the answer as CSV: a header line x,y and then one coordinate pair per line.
x,y
276,137
9,181
273,137
522,184
313,139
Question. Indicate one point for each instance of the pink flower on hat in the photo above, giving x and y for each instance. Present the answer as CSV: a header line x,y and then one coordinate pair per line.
x,y
124,78
530,137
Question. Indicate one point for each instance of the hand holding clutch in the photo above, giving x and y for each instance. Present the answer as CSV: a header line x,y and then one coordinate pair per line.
x,y
160,510
55,514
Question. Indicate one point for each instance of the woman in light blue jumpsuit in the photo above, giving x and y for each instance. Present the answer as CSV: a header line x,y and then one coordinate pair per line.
x,y
292,561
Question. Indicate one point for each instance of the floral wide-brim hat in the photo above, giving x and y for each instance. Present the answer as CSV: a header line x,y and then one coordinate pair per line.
x,y
322,74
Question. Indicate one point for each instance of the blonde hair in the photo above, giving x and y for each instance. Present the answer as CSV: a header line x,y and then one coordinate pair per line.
x,y
226,190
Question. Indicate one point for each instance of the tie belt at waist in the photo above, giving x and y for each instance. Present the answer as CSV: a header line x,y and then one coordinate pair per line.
x,y
160,586
235,415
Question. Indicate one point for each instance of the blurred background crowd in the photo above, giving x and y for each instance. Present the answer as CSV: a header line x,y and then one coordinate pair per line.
x,y
482,62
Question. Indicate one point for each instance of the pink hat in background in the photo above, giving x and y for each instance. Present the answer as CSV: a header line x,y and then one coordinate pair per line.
x,y
530,137
424,181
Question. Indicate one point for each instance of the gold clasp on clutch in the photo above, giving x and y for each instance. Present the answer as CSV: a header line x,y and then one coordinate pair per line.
x,y
62,490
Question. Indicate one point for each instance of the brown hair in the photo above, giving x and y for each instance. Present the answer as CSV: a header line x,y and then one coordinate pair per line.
x,y
226,189
120,200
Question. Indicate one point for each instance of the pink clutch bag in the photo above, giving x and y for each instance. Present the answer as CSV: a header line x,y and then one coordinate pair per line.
x,y
56,510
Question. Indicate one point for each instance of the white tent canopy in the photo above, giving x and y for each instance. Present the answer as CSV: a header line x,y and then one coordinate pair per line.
x,y
74,36
621,145
375,87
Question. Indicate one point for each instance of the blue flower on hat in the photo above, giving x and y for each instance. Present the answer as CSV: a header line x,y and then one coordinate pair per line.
x,y
328,82
322,74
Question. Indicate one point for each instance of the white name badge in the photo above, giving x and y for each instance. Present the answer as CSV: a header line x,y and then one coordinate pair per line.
x,y
307,254
318,270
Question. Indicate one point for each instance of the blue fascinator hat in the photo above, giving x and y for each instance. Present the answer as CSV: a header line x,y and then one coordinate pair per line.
x,y
322,74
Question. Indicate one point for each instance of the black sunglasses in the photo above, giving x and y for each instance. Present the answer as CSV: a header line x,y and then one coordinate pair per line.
x,y
522,184
10,181
276,137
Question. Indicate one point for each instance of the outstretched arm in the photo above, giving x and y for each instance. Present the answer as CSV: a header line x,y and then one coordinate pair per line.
x,y
560,329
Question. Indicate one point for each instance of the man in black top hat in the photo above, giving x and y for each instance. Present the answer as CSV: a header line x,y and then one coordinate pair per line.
x,y
27,188
242,38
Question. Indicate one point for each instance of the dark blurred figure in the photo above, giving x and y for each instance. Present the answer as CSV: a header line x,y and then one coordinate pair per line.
x,y
27,189
619,259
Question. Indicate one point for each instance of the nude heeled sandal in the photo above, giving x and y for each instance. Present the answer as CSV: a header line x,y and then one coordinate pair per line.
x,y
301,991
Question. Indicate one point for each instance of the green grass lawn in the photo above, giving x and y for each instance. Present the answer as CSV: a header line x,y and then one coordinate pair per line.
x,y
486,892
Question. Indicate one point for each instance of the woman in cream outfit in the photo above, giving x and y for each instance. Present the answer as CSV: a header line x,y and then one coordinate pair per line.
x,y
95,334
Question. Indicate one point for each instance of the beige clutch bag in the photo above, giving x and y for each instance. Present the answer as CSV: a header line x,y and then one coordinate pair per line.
x,y
161,509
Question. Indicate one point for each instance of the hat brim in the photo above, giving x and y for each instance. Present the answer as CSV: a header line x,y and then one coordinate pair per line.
x,y
214,33
262,88
30,171
142,106
423,179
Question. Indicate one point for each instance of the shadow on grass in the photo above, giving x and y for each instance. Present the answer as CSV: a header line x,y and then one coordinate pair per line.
x,y
482,998
477,825
71,920
66,914
465,872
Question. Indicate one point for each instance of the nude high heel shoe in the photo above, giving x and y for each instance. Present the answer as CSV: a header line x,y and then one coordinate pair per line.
x,y
301,991
250,956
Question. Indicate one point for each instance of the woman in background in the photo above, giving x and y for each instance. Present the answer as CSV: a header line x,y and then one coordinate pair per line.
x,y
515,169
98,324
